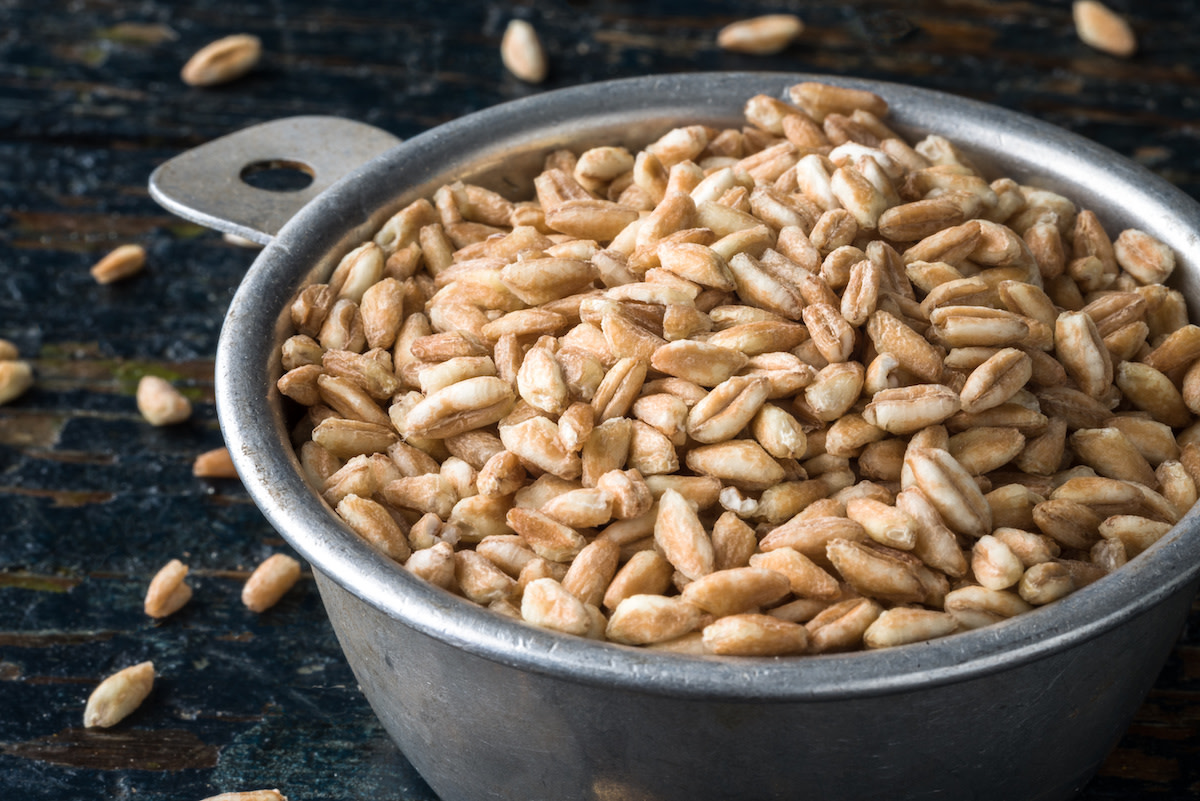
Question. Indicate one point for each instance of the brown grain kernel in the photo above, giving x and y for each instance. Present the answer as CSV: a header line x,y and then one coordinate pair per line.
x,y
874,572
372,522
681,537
900,626
1045,582
223,60
1102,28
905,410
643,619
820,99
269,582
16,377
646,573
119,695
214,464
841,627
951,490
592,571
167,592
121,263
1144,257
805,578
1135,532
974,606
434,564
547,604
755,635
480,580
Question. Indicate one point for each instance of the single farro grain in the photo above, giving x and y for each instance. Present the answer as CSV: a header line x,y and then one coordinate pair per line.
x,y
16,377
160,403
269,582
1102,28
119,695
119,264
214,464
222,61
761,36
522,52
168,591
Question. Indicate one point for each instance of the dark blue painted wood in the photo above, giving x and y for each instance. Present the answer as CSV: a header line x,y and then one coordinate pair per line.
x,y
93,501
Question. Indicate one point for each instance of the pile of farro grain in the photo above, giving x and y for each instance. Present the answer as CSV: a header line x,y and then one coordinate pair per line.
x,y
795,387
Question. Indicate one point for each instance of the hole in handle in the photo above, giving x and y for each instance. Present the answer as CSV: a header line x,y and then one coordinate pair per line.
x,y
277,175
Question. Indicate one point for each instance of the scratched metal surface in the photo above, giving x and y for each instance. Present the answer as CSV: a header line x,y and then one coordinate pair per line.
x,y
93,500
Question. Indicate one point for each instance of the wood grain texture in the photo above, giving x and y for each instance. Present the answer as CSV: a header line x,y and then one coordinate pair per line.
x,y
93,500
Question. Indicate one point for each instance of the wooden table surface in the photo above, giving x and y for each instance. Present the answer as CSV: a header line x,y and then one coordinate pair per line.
x,y
93,500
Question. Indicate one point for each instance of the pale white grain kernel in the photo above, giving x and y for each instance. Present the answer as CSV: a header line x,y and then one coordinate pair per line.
x,y
761,36
522,53
160,403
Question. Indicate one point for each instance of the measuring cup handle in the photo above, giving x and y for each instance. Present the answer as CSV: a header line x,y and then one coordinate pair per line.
x,y
206,184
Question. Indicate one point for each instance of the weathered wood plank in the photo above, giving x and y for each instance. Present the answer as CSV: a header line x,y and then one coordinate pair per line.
x,y
92,501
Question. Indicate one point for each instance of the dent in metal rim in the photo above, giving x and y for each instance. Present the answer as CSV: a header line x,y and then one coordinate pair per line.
x,y
1118,190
